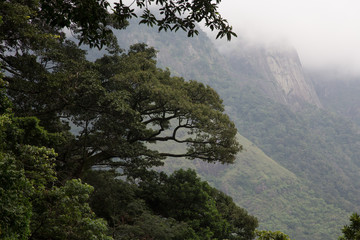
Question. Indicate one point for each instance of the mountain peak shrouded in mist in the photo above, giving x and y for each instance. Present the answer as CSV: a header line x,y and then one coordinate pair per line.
x,y
274,69
324,32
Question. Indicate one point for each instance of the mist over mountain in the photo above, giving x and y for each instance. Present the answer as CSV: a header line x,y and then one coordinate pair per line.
x,y
325,33
274,70
338,92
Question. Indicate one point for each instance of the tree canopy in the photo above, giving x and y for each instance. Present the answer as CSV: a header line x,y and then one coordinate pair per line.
x,y
31,203
352,231
119,105
92,20
270,235
64,117
191,209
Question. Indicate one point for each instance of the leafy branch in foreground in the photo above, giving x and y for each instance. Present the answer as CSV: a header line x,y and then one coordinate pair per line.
x,y
92,21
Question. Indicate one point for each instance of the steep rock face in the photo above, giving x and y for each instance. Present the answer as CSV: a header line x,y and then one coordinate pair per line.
x,y
277,73
287,72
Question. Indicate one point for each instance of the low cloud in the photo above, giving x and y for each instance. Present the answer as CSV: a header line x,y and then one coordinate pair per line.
x,y
326,33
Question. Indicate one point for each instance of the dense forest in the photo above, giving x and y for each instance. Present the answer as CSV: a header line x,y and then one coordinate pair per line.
x,y
82,142
67,124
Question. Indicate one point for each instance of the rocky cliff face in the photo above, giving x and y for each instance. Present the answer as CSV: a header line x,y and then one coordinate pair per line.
x,y
276,72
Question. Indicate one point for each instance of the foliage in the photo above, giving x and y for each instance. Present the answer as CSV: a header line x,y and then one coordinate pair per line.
x,y
116,108
119,105
352,231
92,21
29,201
63,213
128,216
15,207
179,206
210,213
269,235
171,15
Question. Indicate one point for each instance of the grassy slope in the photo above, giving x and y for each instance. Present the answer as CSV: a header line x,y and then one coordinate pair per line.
x,y
275,195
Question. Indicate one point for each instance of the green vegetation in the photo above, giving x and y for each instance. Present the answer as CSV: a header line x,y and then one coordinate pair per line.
x,y
268,235
313,144
339,95
65,121
276,196
352,231
179,206
31,205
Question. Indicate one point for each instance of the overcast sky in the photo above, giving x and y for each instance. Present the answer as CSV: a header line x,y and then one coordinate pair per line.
x,y
326,33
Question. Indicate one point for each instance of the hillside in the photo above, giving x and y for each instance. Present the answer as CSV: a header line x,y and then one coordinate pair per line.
x,y
339,93
275,195
304,181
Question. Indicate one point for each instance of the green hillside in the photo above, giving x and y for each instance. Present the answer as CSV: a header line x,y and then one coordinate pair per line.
x,y
320,147
304,183
279,199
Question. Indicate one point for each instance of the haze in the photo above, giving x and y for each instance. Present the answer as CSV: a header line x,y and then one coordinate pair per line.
x,y
325,33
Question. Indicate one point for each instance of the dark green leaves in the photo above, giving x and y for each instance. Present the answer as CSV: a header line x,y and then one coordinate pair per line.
x,y
119,105
352,231
210,213
175,15
269,235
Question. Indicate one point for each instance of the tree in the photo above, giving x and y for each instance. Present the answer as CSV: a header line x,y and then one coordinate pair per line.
x,y
64,213
242,224
169,15
179,206
118,202
120,105
50,78
31,205
107,113
184,197
91,20
269,235
15,208
352,231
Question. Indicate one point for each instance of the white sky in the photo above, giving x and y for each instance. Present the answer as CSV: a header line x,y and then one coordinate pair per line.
x,y
326,33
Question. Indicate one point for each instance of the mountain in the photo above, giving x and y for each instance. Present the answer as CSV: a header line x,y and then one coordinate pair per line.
x,y
338,93
303,181
276,196
275,71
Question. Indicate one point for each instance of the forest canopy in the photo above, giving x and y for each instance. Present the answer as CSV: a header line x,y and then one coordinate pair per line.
x,y
63,118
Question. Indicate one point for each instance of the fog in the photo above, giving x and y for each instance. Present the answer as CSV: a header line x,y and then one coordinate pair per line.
x,y
326,33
